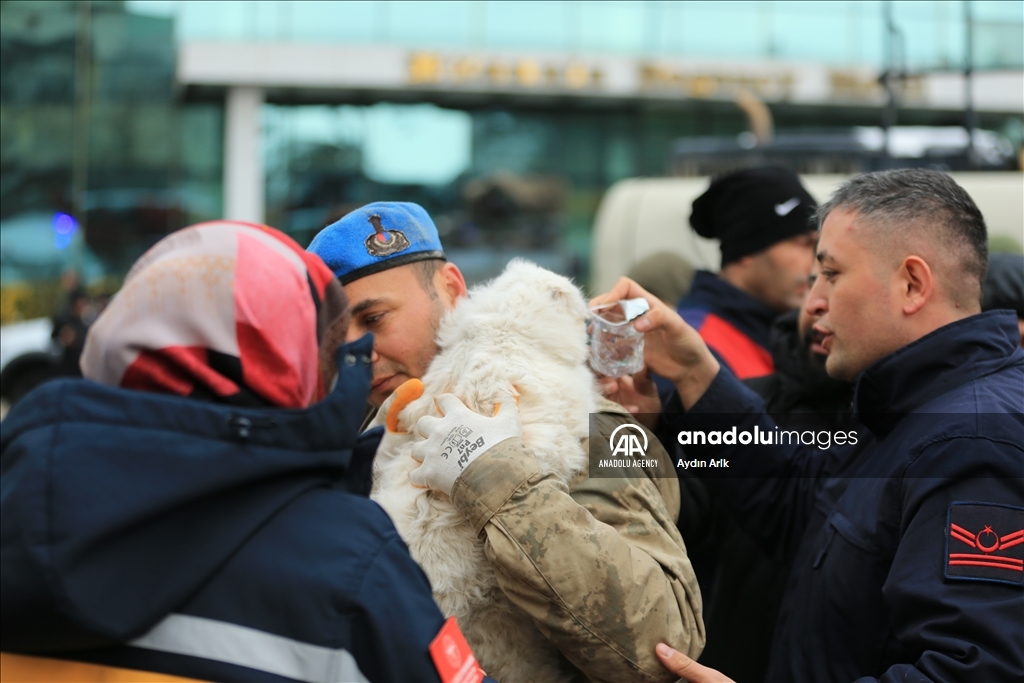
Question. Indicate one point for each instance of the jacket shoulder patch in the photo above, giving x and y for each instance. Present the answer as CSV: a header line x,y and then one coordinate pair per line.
x,y
985,542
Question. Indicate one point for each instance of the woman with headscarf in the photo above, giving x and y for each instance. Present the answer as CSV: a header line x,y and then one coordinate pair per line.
x,y
192,507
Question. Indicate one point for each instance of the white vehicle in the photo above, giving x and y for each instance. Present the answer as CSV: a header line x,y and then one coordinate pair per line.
x,y
28,357
643,216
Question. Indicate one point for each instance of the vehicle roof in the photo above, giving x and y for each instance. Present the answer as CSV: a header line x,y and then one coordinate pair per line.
x,y
642,216
24,337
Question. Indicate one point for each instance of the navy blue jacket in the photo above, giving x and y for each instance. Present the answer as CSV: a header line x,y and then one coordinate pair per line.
x,y
736,326
909,552
154,532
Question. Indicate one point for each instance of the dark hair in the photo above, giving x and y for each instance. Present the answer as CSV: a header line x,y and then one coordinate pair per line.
x,y
425,271
912,197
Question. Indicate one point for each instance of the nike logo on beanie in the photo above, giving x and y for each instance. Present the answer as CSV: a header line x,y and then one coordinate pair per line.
x,y
784,208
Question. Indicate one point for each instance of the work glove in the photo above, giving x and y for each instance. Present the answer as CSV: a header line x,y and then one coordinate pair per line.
x,y
452,442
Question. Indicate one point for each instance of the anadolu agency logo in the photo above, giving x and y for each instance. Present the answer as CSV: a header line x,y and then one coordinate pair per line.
x,y
629,450
626,443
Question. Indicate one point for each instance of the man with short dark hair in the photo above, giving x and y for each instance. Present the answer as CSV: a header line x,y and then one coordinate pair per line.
x,y
398,282
908,560
762,217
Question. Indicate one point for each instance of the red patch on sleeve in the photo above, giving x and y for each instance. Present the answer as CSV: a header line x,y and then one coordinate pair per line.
x,y
745,357
453,657
985,542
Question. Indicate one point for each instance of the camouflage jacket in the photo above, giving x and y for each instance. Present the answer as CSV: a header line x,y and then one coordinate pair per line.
x,y
599,567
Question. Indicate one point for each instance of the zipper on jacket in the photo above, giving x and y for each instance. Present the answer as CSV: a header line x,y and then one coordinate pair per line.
x,y
824,551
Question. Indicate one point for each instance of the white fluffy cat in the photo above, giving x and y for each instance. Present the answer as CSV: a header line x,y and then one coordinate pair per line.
x,y
521,333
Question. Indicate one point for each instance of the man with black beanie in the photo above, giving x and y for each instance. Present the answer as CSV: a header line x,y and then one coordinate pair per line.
x,y
763,218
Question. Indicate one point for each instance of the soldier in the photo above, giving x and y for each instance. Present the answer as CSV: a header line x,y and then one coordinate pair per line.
x,y
600,568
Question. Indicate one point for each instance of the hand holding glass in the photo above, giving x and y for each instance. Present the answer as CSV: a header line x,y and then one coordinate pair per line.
x,y
616,348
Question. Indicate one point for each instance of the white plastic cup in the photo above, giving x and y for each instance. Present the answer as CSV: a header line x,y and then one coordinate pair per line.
x,y
616,348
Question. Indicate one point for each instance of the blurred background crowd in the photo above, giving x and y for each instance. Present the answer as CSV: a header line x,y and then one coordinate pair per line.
x,y
572,133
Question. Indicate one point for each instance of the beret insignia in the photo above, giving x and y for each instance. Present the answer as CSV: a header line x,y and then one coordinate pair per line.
x,y
385,242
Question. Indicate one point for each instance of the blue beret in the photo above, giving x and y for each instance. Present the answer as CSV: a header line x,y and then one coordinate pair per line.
x,y
376,237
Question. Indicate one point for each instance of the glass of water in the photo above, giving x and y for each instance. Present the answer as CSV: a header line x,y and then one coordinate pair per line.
x,y
616,348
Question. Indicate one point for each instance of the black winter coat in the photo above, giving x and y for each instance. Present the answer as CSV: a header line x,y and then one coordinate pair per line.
x,y
160,533
908,556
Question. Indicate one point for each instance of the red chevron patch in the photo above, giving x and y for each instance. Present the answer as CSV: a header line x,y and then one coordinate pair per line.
x,y
985,542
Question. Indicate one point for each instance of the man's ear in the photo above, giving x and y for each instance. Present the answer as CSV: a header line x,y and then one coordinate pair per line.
x,y
917,284
450,283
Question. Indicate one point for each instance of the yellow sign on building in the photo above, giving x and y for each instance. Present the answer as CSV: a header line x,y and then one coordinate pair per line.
x,y
433,68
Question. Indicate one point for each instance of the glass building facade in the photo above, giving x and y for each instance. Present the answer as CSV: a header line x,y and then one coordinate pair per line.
x,y
848,32
104,149
97,157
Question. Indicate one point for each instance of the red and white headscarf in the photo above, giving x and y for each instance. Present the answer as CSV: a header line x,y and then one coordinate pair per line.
x,y
224,311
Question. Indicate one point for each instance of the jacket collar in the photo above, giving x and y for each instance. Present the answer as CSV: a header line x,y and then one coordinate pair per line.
x,y
750,315
935,364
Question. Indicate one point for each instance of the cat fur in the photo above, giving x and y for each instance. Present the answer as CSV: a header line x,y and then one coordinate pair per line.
x,y
523,333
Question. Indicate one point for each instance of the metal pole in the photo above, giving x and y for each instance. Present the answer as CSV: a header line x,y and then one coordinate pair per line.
x,y
83,103
889,113
970,115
